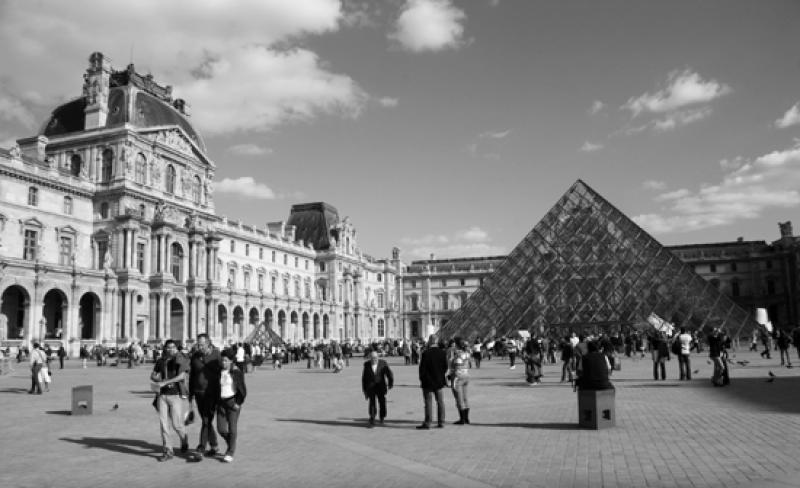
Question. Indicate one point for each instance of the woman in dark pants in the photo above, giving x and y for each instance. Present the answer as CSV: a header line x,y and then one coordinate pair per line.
x,y
232,395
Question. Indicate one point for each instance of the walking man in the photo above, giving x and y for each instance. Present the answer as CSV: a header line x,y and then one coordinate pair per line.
x,y
37,360
432,371
206,365
170,370
376,380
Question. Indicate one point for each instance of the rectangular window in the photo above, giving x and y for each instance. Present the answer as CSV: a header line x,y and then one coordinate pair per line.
x,y
65,251
340,293
140,257
308,290
444,283
463,282
260,282
33,196
322,266
769,264
102,249
231,278
733,267
29,250
233,246
247,249
68,205
413,283
246,280
285,259
286,286
324,292
296,262
297,288
380,300
260,253
306,263
273,285
713,268
380,277
273,256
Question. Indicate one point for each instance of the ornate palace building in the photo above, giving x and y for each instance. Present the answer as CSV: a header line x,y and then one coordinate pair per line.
x,y
108,234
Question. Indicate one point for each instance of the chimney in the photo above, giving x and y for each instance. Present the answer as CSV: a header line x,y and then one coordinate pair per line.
x,y
786,228
95,90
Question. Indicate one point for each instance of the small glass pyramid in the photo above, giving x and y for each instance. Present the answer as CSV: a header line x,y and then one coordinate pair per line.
x,y
587,267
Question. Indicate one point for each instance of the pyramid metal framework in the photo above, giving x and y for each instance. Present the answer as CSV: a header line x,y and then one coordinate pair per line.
x,y
586,265
264,334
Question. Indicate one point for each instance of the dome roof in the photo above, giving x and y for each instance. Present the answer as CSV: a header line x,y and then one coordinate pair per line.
x,y
147,110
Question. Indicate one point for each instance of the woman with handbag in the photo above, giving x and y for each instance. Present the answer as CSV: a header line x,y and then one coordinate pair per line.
x,y
232,395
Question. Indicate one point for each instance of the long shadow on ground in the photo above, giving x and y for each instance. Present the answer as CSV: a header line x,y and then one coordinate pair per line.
x,y
124,446
772,394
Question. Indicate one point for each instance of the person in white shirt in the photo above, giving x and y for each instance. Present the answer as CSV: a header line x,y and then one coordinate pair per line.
x,y
685,340
36,360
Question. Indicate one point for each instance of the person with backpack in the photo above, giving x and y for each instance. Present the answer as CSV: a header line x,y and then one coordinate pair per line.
x,y
683,346
660,354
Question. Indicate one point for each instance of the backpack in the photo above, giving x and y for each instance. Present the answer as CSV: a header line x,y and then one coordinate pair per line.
x,y
676,347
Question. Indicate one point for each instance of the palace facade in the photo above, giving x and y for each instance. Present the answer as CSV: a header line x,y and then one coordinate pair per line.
x,y
108,234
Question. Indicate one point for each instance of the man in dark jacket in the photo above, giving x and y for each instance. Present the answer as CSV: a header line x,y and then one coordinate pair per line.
x,y
206,365
376,380
432,371
593,370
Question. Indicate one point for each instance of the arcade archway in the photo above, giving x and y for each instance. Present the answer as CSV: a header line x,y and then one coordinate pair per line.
x,y
54,313
89,316
15,308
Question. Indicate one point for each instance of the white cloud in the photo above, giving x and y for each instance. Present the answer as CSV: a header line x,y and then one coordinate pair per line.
x,y
245,186
429,25
747,190
470,242
683,88
12,109
654,185
249,150
388,102
494,135
790,118
597,106
237,62
590,147
673,195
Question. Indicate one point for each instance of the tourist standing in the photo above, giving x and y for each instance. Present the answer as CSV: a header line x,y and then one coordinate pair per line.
x,y
62,353
532,355
432,371
36,360
232,395
660,354
568,360
684,363
205,369
376,380
715,347
458,375
170,370
511,349
476,353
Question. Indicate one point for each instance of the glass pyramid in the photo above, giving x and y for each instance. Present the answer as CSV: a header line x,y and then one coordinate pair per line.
x,y
264,334
587,267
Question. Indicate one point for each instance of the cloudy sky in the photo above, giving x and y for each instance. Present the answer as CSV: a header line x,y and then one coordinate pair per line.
x,y
451,127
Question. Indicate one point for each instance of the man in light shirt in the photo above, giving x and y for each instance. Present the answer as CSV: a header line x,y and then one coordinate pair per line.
x,y
685,340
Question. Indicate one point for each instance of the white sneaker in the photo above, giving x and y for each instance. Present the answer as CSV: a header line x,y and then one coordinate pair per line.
x,y
512,367
227,459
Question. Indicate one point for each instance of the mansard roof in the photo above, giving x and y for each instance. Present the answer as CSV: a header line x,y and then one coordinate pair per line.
x,y
313,223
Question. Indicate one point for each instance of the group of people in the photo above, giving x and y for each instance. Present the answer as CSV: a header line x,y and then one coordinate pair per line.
x,y
212,380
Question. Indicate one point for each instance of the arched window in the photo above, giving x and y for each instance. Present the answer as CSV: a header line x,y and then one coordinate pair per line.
x,y
106,168
177,261
170,179
75,164
140,169
196,189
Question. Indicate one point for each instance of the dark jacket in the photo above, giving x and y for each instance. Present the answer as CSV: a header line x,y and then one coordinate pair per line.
x,y
379,382
204,374
432,369
593,374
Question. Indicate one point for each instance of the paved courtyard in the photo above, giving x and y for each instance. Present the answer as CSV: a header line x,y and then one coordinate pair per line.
x,y
303,427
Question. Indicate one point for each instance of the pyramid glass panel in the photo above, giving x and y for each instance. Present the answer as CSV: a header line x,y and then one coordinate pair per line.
x,y
587,266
